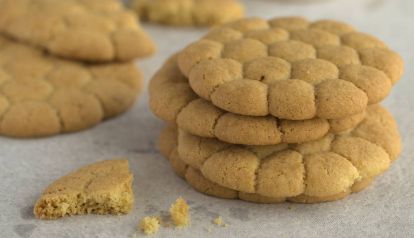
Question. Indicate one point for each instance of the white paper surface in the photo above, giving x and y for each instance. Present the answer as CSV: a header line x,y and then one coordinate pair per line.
x,y
386,209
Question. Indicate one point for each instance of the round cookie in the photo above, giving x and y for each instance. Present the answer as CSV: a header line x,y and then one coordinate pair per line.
x,y
89,30
41,95
188,12
322,168
172,99
196,179
290,68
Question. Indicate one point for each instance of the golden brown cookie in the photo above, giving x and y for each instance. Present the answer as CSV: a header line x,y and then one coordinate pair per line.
x,y
86,30
100,188
196,179
290,68
172,99
321,168
188,12
41,95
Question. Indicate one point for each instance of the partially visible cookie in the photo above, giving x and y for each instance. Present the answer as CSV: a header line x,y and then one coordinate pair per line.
x,y
100,188
197,180
86,30
41,95
188,12
321,168
172,99
290,68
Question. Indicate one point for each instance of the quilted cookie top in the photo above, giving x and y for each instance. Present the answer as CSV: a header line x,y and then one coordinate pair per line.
x,y
321,168
290,68
189,12
172,99
168,144
87,30
41,95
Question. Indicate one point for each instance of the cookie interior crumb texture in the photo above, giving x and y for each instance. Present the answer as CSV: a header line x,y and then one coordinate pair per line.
x,y
179,212
100,188
150,225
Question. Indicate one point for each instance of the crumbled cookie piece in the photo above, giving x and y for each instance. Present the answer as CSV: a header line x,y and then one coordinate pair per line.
x,y
100,188
150,225
218,221
179,213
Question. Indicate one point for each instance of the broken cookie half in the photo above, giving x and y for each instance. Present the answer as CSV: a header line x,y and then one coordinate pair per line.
x,y
100,188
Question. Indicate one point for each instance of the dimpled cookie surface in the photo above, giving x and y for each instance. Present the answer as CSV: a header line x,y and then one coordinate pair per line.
x,y
290,68
87,30
188,12
172,99
323,169
100,188
168,142
41,95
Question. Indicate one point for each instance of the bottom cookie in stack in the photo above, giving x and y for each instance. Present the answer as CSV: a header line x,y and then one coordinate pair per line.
x,y
324,170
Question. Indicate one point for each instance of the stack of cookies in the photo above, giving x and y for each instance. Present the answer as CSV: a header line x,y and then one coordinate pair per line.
x,y
66,65
279,110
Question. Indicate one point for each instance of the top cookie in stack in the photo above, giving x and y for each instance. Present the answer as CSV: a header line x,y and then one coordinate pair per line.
x,y
286,80
67,65
290,68
251,92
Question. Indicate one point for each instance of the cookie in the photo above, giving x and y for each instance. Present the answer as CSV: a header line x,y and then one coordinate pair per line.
x,y
320,168
188,12
100,188
86,30
290,68
41,95
172,99
196,179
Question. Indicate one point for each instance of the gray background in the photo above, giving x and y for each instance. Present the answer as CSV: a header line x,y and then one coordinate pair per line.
x,y
386,209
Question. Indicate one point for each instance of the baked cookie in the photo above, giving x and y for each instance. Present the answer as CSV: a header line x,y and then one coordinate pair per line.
x,y
100,188
41,95
86,30
188,12
172,99
290,68
321,168
196,179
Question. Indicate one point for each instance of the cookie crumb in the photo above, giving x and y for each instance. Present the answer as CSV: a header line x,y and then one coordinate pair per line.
x,y
179,212
150,225
218,221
